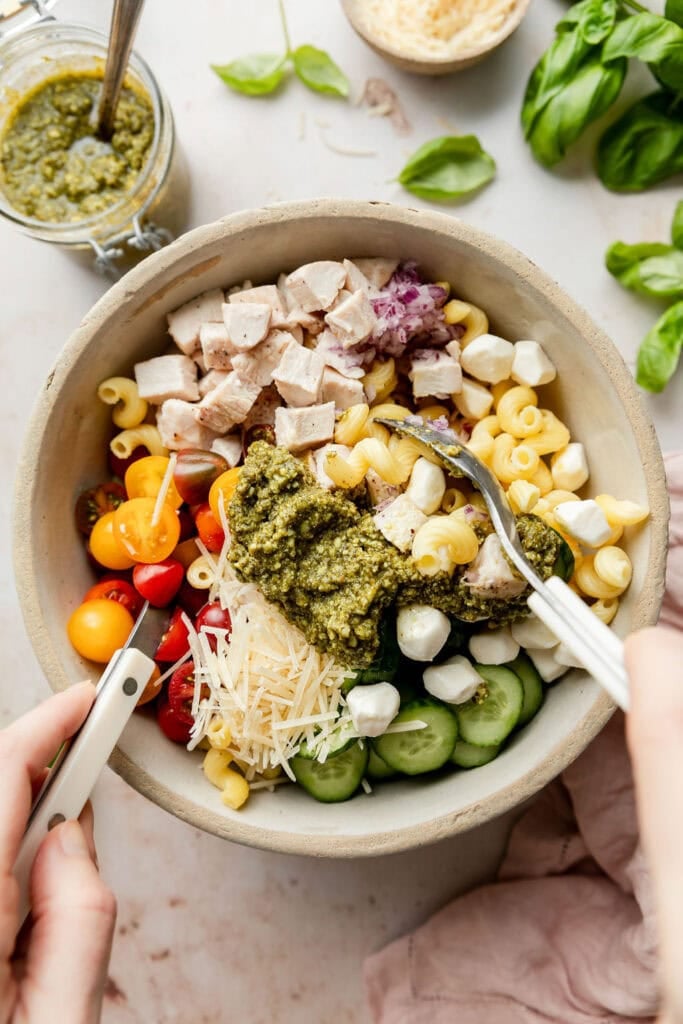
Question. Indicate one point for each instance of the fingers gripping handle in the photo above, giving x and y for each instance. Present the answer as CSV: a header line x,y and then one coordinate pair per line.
x,y
67,790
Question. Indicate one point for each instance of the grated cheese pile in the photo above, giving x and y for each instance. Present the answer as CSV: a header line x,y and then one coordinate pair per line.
x,y
272,688
433,28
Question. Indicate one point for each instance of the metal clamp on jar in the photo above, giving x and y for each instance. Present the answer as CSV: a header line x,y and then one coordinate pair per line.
x,y
59,183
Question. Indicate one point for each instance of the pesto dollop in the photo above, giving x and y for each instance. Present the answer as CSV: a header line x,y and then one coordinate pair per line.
x,y
53,167
323,561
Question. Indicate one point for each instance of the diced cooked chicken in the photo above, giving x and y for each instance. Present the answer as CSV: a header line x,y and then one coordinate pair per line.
x,y
184,322
343,391
346,362
318,463
259,364
228,404
167,377
298,429
264,294
352,319
198,358
178,426
315,286
299,375
490,574
296,316
399,521
453,349
356,279
262,412
246,323
434,374
216,346
379,490
377,270
211,380
230,448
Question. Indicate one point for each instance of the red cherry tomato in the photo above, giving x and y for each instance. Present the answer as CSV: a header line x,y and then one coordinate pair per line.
x,y
209,529
174,643
96,502
187,527
170,724
195,471
159,582
181,693
217,618
116,589
190,599
119,466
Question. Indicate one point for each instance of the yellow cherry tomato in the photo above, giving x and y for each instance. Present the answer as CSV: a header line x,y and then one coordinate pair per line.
x,y
153,688
105,547
144,477
140,536
98,628
224,486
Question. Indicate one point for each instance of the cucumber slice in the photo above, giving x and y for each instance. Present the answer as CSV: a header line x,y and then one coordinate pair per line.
x,y
489,717
385,663
335,780
377,768
340,740
466,755
532,685
422,750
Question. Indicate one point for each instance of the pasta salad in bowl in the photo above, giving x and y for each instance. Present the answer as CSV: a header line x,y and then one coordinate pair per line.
x,y
342,617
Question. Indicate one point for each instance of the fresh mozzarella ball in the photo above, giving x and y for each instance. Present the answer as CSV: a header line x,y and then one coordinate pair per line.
x,y
531,366
585,521
488,358
399,521
454,681
474,401
427,486
546,664
532,632
373,707
494,647
564,656
569,467
421,631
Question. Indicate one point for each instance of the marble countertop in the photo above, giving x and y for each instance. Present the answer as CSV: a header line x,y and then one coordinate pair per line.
x,y
209,931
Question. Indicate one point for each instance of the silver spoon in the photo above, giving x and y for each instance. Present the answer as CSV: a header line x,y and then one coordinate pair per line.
x,y
124,22
598,649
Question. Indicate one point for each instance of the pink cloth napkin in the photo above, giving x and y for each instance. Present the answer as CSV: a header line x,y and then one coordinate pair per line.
x,y
566,935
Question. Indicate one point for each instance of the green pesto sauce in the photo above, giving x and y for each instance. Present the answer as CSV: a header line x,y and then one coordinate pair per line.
x,y
53,167
323,561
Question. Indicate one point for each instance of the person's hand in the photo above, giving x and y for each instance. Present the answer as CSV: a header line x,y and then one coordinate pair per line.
x,y
59,966
654,659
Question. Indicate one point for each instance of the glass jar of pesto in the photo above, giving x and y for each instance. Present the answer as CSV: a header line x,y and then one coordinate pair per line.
x,y
58,183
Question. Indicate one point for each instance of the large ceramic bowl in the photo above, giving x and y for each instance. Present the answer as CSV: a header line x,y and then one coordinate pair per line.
x,y
65,452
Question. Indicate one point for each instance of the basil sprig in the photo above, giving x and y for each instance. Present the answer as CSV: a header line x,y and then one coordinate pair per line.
x,y
260,74
448,168
660,350
580,76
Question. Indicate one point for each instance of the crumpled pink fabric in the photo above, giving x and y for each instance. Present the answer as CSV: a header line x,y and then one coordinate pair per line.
x,y
566,935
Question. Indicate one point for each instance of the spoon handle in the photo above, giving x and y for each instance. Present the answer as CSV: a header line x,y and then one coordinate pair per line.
x,y
124,21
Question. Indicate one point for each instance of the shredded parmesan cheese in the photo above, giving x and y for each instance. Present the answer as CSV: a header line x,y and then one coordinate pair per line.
x,y
341,149
433,28
163,490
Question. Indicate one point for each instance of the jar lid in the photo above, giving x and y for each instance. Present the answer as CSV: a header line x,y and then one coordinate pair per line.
x,y
16,15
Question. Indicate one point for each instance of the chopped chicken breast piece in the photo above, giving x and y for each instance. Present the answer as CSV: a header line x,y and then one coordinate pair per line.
x,y
230,448
211,380
378,271
184,322
216,346
352,319
315,286
228,404
299,375
343,391
167,377
399,521
379,490
178,426
246,323
490,574
259,364
262,412
434,374
265,294
298,429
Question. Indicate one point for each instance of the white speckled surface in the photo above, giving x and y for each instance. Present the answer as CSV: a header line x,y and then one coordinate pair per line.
x,y
208,931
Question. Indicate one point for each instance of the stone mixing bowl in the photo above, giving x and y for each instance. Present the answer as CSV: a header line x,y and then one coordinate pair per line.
x,y
65,452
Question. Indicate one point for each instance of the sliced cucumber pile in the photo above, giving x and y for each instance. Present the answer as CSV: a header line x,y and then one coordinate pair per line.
x,y
466,755
339,741
335,780
532,684
377,768
421,750
490,717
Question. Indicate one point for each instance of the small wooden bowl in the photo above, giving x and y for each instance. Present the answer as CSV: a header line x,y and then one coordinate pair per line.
x,y
435,65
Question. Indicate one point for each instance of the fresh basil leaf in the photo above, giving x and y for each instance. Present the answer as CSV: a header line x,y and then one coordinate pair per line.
x,y
650,268
673,10
622,257
597,20
255,75
677,226
448,168
660,350
591,92
652,39
643,147
552,74
317,70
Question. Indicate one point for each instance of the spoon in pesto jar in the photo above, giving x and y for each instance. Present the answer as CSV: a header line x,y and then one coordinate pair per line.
x,y
124,23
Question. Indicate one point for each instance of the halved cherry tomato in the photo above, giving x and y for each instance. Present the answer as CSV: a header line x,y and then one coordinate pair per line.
x,y
95,503
143,539
152,689
194,473
119,466
170,724
144,478
174,642
190,599
186,552
259,432
223,488
187,528
159,583
115,589
181,693
98,628
209,529
217,618
105,547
